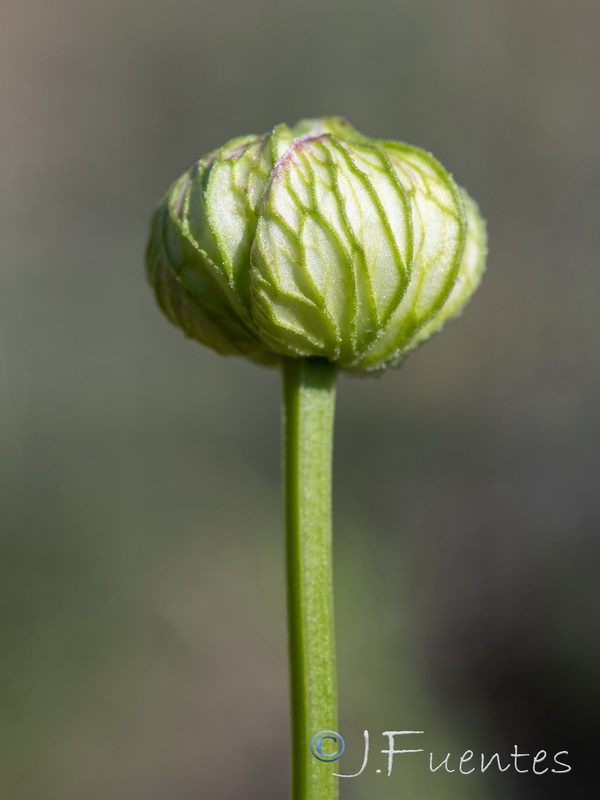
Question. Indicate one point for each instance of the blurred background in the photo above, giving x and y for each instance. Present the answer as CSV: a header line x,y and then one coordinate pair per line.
x,y
143,643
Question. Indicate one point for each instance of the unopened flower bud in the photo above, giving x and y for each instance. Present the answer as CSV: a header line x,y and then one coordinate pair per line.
x,y
315,241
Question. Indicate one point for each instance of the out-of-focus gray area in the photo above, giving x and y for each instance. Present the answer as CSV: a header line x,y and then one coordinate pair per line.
x,y
143,650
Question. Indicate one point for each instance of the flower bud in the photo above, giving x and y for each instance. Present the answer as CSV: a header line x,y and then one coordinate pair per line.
x,y
315,241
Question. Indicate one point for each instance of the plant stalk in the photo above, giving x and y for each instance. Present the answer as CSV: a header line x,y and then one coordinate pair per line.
x,y
309,401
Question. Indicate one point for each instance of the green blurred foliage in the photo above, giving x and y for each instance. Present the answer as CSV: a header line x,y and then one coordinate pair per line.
x,y
142,597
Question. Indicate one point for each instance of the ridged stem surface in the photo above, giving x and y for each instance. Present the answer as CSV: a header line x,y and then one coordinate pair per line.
x,y
309,400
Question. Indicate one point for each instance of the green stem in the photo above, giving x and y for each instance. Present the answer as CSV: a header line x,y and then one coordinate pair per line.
x,y
309,400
